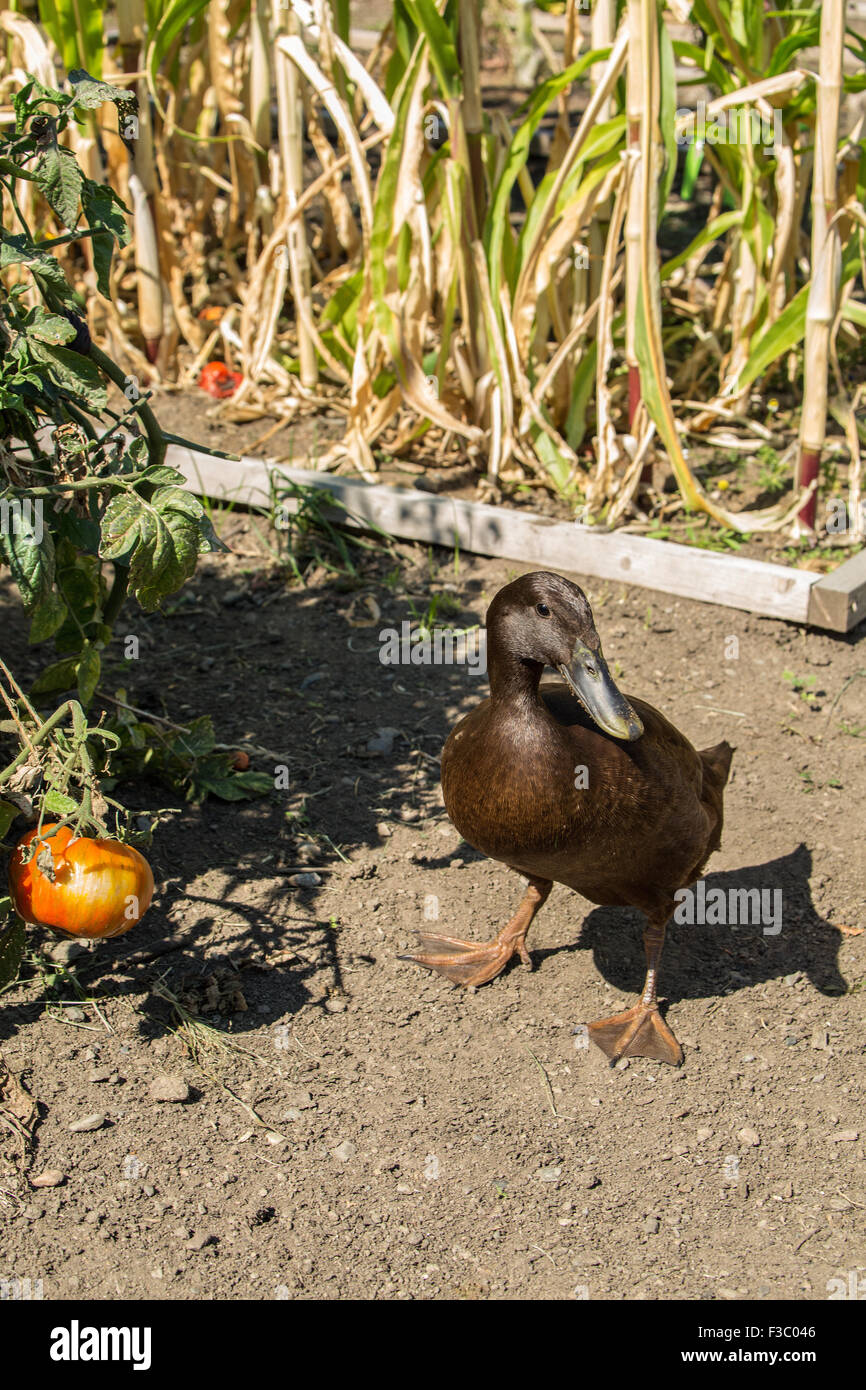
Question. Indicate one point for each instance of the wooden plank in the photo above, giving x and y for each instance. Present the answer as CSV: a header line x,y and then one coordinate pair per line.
x,y
838,600
732,580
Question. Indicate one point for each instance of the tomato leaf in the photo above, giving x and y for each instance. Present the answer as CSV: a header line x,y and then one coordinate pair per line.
x,y
49,616
90,93
161,538
60,675
88,671
60,181
8,812
28,550
58,803
11,951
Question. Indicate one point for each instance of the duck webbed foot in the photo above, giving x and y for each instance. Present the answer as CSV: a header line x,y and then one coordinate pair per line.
x,y
474,963
641,1031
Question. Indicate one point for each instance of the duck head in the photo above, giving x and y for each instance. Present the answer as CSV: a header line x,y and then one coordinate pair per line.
x,y
543,620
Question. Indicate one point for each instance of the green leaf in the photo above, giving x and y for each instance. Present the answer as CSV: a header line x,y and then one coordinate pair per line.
x,y
11,951
28,550
76,375
58,803
783,335
60,675
60,180
711,232
49,616
90,93
8,812
48,328
161,538
88,671
238,786
198,742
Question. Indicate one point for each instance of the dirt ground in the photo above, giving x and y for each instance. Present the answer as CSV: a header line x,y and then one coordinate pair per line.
x,y
365,1130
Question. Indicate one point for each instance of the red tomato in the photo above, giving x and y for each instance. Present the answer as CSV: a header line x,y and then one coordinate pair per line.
x,y
218,380
100,888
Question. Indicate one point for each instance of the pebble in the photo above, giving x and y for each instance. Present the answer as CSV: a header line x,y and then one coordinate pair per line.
x,y
88,1123
846,1136
231,597
64,952
200,1239
383,741
99,1074
383,829
549,1174
335,1005
291,1114
344,1151
820,1039
169,1088
75,1015
749,1136
651,1226
306,880
49,1177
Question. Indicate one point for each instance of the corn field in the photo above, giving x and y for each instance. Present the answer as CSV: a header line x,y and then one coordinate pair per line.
x,y
375,235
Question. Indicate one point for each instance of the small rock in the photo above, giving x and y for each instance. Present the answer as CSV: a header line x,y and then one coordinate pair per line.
x,y
383,829
705,1133
75,1015
383,741
88,1123
749,1136
64,952
200,1239
292,1114
306,880
820,1039
231,597
335,1005
49,1177
273,1138
169,1088
846,1136
651,1226
409,813
344,1151
549,1174
99,1074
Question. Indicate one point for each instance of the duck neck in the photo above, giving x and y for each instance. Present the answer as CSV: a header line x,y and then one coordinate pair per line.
x,y
512,681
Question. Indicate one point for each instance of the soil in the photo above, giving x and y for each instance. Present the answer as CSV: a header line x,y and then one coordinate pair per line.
x,y
352,1126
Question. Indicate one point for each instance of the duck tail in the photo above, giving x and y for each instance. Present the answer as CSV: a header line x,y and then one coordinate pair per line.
x,y
717,762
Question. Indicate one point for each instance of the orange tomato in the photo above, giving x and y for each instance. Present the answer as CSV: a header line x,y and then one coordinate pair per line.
x,y
100,888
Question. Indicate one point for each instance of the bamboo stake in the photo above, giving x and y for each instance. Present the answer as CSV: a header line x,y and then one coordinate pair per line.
x,y
826,259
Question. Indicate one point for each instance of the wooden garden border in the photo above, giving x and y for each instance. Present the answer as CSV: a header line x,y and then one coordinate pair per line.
x,y
836,601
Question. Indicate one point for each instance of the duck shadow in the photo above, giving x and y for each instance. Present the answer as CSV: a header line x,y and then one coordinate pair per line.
x,y
702,961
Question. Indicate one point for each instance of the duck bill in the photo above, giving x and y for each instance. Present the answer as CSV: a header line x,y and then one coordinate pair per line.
x,y
594,686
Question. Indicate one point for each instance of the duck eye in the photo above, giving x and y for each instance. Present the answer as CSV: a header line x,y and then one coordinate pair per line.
x,y
543,609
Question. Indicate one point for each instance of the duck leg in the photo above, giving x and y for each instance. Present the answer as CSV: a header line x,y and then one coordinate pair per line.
x,y
474,963
641,1031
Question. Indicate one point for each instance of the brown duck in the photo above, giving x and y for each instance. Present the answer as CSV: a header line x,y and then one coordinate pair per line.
x,y
568,781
